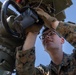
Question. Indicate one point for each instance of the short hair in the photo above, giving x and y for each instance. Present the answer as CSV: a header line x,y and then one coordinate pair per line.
x,y
45,29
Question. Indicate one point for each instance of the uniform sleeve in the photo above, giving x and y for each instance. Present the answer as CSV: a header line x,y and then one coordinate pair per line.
x,y
25,63
68,31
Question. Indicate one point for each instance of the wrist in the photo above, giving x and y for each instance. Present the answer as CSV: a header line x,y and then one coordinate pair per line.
x,y
33,34
55,24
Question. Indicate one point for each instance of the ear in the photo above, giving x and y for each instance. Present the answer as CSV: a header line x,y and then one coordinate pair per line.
x,y
62,40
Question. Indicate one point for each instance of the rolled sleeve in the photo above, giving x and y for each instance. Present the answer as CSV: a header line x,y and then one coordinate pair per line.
x,y
25,62
68,31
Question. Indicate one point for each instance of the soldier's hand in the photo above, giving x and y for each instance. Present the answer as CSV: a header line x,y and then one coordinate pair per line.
x,y
33,28
46,17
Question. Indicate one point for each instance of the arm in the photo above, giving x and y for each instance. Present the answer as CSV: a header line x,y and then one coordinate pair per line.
x,y
67,30
25,59
30,41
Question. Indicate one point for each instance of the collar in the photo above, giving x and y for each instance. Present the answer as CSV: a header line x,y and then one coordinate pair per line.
x,y
65,62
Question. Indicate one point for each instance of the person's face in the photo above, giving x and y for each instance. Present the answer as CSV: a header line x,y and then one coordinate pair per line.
x,y
51,40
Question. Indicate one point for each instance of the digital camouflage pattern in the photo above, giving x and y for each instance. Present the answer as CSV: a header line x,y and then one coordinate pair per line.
x,y
68,31
25,60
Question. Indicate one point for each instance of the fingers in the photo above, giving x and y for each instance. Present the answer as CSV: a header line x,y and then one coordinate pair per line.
x,y
33,28
40,11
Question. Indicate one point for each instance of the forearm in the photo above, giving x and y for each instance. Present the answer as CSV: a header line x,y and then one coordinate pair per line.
x,y
30,41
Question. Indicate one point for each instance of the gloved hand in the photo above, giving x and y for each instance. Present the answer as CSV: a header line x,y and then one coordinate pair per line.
x,y
33,28
46,17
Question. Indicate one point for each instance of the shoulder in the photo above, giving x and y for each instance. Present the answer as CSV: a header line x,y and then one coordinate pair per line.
x,y
44,70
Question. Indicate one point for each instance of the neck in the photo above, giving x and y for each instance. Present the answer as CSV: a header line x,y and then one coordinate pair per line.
x,y
56,55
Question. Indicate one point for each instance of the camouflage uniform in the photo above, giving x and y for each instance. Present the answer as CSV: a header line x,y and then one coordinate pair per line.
x,y
25,60
68,31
